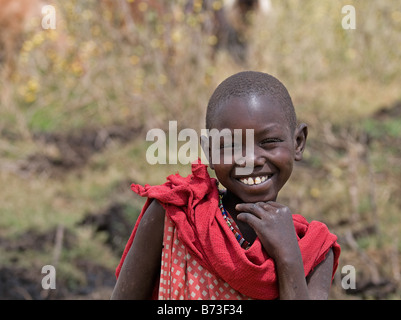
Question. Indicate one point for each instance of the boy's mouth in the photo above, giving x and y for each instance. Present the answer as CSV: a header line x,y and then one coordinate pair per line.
x,y
250,181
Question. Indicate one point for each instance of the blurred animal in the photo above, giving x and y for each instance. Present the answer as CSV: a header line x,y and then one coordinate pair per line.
x,y
14,17
230,21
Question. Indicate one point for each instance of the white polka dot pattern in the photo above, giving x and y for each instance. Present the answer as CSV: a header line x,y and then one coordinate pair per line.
x,y
183,278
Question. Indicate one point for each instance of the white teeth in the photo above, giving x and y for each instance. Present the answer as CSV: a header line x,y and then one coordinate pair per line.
x,y
256,180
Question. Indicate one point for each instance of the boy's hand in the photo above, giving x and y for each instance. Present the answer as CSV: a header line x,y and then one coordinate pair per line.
x,y
273,225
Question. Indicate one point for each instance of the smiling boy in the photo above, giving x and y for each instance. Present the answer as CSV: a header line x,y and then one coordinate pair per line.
x,y
196,241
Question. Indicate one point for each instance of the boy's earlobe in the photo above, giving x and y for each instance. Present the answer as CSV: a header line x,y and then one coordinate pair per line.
x,y
301,135
205,144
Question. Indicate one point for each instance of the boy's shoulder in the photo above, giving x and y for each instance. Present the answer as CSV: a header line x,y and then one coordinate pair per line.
x,y
177,190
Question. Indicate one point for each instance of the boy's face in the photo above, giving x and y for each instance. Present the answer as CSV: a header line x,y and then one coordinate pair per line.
x,y
275,147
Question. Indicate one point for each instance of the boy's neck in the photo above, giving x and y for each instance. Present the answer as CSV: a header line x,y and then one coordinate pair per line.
x,y
230,200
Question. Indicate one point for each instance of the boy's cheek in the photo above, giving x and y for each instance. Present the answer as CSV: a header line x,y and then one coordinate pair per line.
x,y
221,170
282,157
284,162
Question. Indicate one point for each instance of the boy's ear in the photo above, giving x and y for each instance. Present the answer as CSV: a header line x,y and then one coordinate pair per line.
x,y
301,133
205,144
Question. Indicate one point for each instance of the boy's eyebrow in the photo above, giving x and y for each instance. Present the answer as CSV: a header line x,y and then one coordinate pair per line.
x,y
271,127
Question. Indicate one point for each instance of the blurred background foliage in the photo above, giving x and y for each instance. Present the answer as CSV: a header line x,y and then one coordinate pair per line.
x,y
76,103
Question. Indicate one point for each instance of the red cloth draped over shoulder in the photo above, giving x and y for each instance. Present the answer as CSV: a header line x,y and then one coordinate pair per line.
x,y
192,204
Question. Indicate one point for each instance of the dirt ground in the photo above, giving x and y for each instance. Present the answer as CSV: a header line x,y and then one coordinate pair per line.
x,y
20,282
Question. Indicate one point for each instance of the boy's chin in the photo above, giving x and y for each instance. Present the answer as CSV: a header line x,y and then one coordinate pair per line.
x,y
257,198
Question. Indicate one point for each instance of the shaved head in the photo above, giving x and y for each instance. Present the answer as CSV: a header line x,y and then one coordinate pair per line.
x,y
245,85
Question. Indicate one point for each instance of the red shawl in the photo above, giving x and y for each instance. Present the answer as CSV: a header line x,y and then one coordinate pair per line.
x,y
192,205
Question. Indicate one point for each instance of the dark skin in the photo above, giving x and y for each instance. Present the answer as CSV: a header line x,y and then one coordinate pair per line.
x,y
141,267
253,207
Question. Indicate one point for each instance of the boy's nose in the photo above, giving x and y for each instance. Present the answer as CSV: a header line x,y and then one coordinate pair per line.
x,y
251,159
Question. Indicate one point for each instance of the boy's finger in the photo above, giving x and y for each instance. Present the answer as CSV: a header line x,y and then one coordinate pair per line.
x,y
273,204
258,208
249,218
253,208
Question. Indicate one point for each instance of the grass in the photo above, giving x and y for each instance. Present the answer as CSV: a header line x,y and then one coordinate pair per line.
x,y
91,73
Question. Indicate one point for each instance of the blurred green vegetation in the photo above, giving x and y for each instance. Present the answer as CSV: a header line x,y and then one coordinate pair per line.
x,y
75,112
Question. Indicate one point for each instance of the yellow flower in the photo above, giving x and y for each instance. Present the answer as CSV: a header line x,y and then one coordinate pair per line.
x,y
176,36
197,5
108,46
76,68
38,38
396,16
52,34
27,46
134,60
143,6
162,79
29,97
351,54
87,14
315,192
33,85
212,40
29,90
95,30
336,172
217,5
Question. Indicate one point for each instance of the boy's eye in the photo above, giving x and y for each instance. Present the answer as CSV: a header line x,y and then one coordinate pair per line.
x,y
271,140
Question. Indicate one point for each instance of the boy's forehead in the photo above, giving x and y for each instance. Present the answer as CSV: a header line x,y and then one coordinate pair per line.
x,y
251,107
